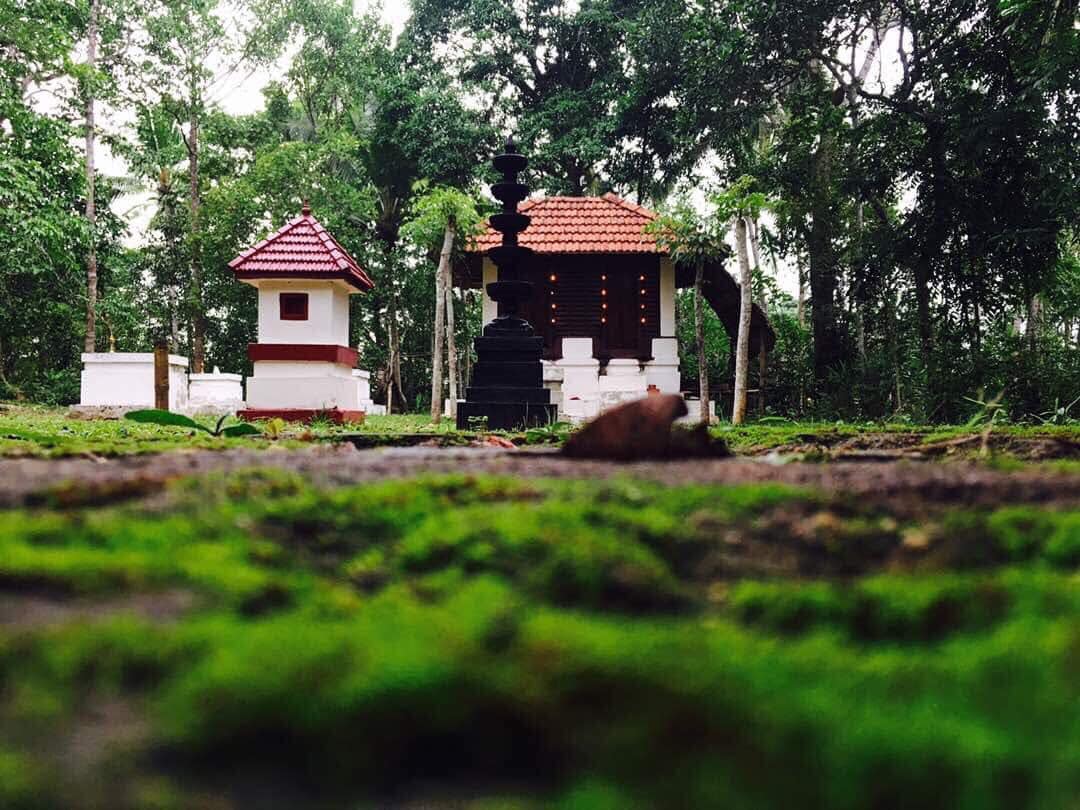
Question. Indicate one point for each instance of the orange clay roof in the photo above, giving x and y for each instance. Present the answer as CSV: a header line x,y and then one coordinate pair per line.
x,y
607,224
302,248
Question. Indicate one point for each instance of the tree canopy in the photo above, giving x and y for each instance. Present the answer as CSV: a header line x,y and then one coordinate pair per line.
x,y
920,159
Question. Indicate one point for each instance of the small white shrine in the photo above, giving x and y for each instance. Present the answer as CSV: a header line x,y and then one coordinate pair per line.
x,y
303,365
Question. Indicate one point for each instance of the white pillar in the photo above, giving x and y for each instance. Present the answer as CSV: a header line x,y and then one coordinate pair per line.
x,y
663,370
581,379
667,297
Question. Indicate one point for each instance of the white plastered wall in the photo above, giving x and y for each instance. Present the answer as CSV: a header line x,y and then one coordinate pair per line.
x,y
126,379
309,392
328,313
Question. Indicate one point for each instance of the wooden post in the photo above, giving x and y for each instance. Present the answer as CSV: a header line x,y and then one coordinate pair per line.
x,y
161,375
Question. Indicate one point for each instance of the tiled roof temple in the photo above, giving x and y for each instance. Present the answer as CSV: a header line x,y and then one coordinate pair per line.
x,y
605,224
302,248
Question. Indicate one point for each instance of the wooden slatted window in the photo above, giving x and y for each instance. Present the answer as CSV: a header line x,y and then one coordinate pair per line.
x,y
568,301
294,306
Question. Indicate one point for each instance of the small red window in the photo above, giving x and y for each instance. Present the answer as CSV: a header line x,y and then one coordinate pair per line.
x,y
294,306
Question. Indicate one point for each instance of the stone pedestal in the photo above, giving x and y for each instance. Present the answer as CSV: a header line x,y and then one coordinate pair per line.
x,y
363,393
309,386
623,382
215,393
553,380
693,412
125,381
508,385
663,370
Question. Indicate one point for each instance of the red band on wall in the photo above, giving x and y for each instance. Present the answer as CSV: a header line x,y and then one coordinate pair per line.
x,y
342,355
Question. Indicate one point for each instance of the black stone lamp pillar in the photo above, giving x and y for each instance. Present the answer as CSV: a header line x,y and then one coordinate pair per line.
x,y
508,386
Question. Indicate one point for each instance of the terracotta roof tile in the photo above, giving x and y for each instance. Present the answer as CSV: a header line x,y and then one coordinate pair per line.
x,y
605,224
301,248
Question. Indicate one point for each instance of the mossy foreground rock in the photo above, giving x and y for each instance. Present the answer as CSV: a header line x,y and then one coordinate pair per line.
x,y
481,642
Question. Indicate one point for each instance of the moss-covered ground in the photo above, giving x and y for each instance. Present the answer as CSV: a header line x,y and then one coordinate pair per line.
x,y
250,640
49,433
27,430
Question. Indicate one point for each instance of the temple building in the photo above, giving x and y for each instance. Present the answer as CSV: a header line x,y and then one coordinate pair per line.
x,y
604,300
303,364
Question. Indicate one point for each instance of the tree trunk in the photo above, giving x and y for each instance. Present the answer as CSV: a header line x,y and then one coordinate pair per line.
x,y
858,273
755,246
440,328
800,307
742,345
1033,327
699,340
174,328
824,266
90,341
395,355
922,300
198,320
451,340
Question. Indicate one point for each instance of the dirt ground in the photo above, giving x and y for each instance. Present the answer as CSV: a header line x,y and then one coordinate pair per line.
x,y
894,446
905,485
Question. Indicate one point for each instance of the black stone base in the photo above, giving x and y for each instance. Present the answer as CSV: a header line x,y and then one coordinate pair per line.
x,y
508,386
505,415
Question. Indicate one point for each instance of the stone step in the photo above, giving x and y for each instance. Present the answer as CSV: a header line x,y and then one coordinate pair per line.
x,y
480,393
516,375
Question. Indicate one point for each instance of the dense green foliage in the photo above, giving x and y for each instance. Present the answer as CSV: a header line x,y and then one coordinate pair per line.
x,y
921,156
528,644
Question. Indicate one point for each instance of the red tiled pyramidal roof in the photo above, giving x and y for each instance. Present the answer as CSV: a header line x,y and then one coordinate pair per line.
x,y
607,224
302,248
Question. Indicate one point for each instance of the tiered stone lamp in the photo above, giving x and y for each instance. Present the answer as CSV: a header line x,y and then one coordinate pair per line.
x,y
507,389
303,365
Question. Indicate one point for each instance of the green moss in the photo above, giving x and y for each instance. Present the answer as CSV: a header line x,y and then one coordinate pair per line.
x,y
49,433
585,644
20,782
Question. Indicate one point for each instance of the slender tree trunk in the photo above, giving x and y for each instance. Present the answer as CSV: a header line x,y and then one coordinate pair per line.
x,y
1033,327
3,376
440,325
198,318
858,273
922,300
395,354
800,308
699,339
742,345
451,340
824,265
894,345
91,179
393,365
755,246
